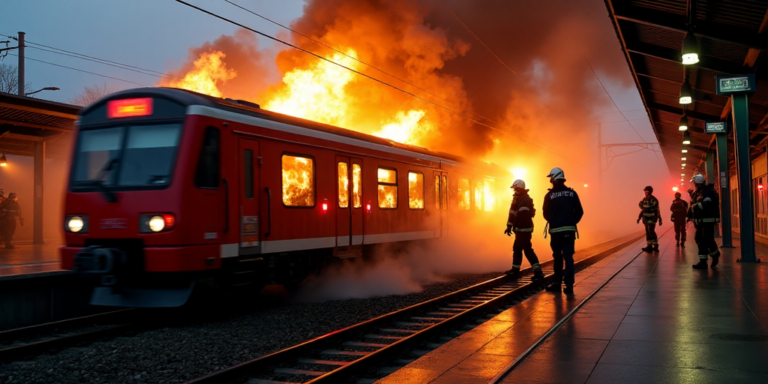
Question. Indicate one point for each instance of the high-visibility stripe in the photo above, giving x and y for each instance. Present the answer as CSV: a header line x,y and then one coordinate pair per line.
x,y
524,209
568,228
703,257
523,229
711,220
516,266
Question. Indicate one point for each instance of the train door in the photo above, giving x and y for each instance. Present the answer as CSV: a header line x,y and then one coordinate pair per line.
x,y
248,196
441,202
349,220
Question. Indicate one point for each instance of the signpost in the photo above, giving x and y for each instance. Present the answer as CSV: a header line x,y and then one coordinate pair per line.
x,y
716,127
738,87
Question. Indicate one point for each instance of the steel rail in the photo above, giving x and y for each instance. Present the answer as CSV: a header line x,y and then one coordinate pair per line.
x,y
384,352
18,350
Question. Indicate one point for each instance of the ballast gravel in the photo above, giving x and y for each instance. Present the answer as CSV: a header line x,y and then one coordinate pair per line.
x,y
207,339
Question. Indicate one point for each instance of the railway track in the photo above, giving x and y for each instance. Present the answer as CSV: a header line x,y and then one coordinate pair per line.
x,y
353,354
22,342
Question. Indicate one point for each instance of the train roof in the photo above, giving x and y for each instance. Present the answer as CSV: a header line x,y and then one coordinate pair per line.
x,y
186,97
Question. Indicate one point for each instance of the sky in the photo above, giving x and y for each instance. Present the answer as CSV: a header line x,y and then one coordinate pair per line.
x,y
151,34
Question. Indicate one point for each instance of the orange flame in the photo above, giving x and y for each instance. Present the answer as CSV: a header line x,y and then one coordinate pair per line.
x,y
298,181
209,71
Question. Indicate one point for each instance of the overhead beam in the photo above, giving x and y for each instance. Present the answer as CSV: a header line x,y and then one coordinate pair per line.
x,y
31,125
673,55
673,22
679,111
38,110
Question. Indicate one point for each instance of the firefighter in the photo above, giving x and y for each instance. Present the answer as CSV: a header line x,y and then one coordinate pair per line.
x,y
705,213
563,211
9,212
650,214
679,210
520,221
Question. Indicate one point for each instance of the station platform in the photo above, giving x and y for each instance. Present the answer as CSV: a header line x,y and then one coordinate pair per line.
x,y
657,321
27,258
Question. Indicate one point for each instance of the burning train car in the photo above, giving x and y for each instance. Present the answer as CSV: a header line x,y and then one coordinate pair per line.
x,y
170,188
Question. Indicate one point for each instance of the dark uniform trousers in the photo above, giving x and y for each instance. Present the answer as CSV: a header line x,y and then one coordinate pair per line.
x,y
563,248
680,230
522,245
650,233
7,230
705,239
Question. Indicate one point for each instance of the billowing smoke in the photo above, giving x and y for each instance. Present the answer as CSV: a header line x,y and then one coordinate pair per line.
x,y
511,83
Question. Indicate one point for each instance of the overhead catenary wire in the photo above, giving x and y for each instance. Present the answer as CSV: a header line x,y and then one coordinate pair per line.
x,y
132,68
364,75
351,57
82,70
479,40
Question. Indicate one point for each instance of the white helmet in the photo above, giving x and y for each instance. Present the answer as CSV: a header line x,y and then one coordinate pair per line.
x,y
518,184
699,179
556,174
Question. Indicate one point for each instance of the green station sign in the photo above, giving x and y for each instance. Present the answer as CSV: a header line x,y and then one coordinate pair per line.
x,y
716,127
735,84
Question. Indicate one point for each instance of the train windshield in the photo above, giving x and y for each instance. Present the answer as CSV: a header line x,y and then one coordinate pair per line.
x,y
126,156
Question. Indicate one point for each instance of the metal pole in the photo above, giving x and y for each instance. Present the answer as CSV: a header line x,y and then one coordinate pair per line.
x,y
709,167
599,159
37,208
725,190
21,63
740,113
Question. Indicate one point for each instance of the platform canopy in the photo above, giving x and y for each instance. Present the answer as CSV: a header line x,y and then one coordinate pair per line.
x,y
26,120
732,38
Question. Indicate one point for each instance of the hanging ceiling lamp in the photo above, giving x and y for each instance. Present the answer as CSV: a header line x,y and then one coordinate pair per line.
x,y
3,161
686,138
686,93
690,51
684,123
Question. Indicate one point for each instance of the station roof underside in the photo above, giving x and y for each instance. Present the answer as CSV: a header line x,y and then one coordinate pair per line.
x,y
733,39
25,120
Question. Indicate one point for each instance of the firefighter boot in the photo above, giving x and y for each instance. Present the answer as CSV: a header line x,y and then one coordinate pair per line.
x,y
648,249
701,265
715,260
554,287
568,289
537,274
655,247
513,273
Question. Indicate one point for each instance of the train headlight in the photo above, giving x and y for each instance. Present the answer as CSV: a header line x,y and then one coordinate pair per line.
x,y
77,224
156,223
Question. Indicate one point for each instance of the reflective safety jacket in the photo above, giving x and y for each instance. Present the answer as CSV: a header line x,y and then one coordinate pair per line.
x,y
562,209
9,210
521,213
649,210
679,210
705,205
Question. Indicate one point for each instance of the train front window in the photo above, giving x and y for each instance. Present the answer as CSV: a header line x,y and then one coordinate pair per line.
x,y
97,153
134,156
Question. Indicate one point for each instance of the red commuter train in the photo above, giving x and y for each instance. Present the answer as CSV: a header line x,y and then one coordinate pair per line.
x,y
170,188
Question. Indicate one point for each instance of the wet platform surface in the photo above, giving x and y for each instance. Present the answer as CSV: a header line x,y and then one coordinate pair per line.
x,y
658,321
26,258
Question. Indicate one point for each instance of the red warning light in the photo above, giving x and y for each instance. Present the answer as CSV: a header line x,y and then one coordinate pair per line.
x,y
129,107
325,207
760,186
368,207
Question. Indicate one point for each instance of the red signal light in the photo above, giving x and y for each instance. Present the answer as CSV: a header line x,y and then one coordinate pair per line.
x,y
325,207
129,107
368,207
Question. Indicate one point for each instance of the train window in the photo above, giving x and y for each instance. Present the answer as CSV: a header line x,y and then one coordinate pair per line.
x,y
415,190
207,174
444,190
343,185
437,192
298,181
489,200
357,186
98,148
248,174
464,194
387,188
479,196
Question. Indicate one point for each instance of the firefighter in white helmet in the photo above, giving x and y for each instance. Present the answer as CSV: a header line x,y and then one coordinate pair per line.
x,y
705,213
562,210
520,221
